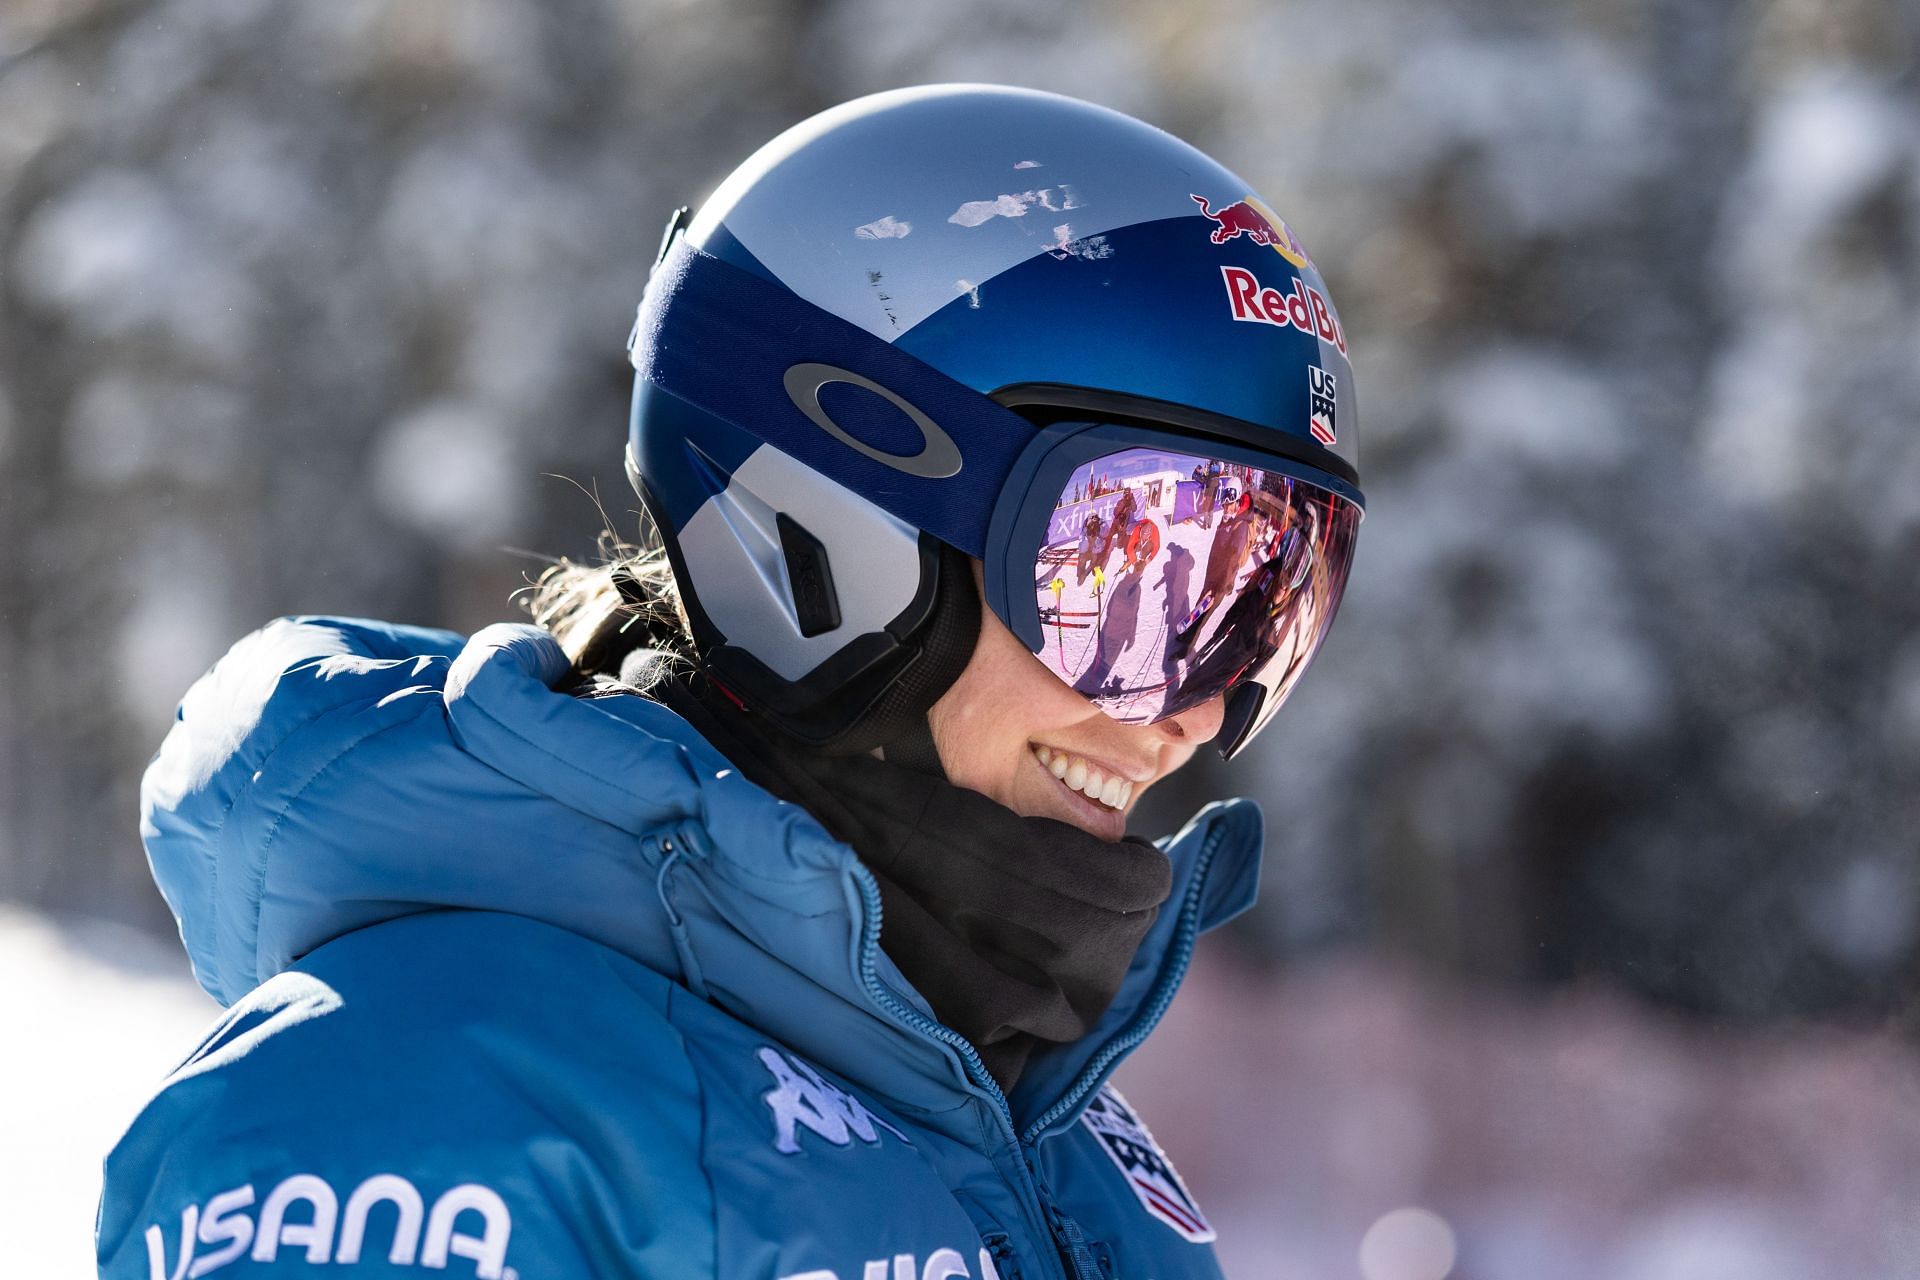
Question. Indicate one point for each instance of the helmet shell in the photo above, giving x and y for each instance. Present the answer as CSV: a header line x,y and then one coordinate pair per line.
x,y
1010,236
1032,247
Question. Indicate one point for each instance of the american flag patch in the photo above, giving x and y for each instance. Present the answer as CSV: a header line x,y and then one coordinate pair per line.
x,y
1145,1166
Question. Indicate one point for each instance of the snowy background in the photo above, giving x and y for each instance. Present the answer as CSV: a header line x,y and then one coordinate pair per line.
x,y
1590,933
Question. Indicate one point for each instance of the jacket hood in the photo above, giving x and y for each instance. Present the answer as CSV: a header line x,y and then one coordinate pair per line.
x,y
329,774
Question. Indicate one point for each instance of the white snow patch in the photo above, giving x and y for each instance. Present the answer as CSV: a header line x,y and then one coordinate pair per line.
x,y
1408,1244
118,257
1014,205
1902,699
176,584
887,228
127,427
1538,406
1819,149
96,1016
1754,442
1065,246
1560,125
449,470
1864,914
1712,1237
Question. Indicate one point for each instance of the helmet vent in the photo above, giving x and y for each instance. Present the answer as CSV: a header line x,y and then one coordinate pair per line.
x,y
816,606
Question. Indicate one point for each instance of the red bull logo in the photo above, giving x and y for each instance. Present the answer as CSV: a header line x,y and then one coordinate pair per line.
x,y
1259,224
1305,309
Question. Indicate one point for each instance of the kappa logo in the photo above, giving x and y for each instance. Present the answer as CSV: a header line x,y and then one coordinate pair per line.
x,y
802,1099
1323,404
939,456
224,1221
1149,1173
942,1264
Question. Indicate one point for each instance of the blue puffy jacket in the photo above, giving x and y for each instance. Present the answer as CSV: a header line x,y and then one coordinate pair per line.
x,y
527,986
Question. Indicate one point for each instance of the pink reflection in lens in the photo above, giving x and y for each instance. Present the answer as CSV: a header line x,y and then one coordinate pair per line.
x,y
1167,578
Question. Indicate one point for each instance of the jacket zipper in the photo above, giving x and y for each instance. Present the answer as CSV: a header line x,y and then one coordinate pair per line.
x,y
999,1247
977,1071
1186,933
1068,1240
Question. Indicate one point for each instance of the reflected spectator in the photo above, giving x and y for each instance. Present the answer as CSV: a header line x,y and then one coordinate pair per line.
x,y
1118,525
1090,538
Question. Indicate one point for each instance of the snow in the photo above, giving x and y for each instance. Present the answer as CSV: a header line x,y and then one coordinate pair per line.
x,y
95,1017
447,468
122,258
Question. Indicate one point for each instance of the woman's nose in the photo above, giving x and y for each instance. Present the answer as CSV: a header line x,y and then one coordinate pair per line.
x,y
1197,724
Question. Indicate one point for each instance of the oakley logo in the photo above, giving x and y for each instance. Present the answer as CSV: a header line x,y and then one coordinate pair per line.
x,y
938,458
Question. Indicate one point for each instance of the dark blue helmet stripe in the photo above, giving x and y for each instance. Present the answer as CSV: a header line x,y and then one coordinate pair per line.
x,y
727,340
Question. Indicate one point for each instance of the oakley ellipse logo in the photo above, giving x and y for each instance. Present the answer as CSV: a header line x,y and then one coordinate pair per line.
x,y
938,458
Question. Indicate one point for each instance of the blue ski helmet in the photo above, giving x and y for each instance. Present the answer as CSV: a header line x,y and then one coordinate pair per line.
x,y
975,321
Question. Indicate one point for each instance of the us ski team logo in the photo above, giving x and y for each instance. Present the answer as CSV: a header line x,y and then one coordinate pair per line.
x,y
1148,1171
1323,403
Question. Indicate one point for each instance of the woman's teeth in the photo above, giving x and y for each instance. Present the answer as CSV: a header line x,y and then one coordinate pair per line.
x,y
1114,792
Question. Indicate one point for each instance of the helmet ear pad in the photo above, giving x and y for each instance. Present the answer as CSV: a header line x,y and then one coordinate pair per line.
x,y
904,606
940,649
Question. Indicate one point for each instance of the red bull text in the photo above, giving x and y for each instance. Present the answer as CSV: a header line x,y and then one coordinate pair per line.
x,y
1304,309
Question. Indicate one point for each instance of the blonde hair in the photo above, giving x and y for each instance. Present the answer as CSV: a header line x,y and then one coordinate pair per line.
x,y
595,609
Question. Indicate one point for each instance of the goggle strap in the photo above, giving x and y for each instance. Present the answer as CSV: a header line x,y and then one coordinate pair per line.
x,y
728,340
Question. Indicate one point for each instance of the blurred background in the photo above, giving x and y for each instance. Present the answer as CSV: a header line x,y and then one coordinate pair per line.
x,y
1588,941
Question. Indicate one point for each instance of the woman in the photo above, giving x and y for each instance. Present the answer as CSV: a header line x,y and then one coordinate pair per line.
x,y
768,910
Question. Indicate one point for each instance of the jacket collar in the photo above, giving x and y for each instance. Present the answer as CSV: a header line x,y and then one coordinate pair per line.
x,y
331,773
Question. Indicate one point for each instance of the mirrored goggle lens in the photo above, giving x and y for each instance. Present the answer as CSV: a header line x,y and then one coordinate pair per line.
x,y
1169,578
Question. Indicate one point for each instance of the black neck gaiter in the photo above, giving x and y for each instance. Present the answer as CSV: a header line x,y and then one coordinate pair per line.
x,y
1018,931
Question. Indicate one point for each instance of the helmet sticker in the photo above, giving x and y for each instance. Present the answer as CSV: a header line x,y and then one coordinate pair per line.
x,y
1305,308
1259,224
1323,403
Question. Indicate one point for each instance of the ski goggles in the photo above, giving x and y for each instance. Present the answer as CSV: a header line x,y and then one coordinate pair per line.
x,y
1218,576
1152,572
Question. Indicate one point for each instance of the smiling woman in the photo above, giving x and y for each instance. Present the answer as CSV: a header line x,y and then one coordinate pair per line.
x,y
1007,712
769,909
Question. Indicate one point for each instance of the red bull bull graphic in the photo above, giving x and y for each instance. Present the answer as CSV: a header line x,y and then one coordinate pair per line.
x,y
1305,309
1259,224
